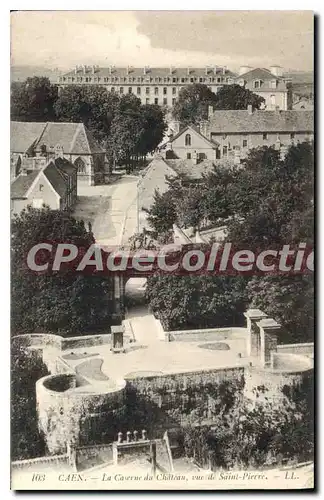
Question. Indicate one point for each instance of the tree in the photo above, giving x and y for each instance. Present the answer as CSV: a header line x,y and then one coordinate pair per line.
x,y
33,100
274,207
94,106
162,214
183,302
154,127
290,301
192,104
26,369
64,302
236,97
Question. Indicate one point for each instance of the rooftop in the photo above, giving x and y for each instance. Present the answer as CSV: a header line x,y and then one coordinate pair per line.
x,y
56,172
149,71
238,121
74,138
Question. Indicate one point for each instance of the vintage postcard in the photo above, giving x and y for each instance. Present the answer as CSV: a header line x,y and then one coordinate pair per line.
x,y
162,267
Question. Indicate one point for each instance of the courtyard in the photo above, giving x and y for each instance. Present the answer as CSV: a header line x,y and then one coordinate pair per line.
x,y
111,210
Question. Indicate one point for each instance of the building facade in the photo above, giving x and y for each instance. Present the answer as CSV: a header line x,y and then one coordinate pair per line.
x,y
190,144
267,83
45,141
236,132
54,185
152,85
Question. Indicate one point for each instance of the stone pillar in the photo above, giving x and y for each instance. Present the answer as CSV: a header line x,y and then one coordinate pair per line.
x,y
268,333
253,338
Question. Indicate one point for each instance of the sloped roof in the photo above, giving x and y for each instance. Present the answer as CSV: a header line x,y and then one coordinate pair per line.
x,y
24,134
195,130
56,171
73,137
258,74
57,178
240,121
265,77
21,184
190,169
150,72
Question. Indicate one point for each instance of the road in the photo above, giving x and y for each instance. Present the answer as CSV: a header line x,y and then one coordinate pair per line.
x,y
111,210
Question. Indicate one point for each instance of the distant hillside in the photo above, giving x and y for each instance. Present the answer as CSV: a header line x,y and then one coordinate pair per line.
x,y
300,77
20,73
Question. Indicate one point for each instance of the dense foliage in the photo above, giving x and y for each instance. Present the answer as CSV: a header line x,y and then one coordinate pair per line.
x,y
265,203
26,369
63,302
257,435
237,97
33,100
191,107
183,302
122,125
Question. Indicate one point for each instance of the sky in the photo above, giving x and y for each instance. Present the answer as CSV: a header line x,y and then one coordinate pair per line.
x,y
62,39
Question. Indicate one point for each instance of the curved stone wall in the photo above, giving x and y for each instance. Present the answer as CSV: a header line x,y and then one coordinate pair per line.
x,y
63,407
288,369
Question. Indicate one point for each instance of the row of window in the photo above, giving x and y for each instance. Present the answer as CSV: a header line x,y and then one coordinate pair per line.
x,y
140,79
244,142
147,90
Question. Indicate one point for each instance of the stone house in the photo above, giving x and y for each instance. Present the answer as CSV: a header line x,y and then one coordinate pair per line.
x,y
238,131
190,144
266,83
54,185
49,140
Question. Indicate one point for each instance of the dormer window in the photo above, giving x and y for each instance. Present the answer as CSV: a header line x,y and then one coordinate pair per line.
x,y
257,84
273,84
241,82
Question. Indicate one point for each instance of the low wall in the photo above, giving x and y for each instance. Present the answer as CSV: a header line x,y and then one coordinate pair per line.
x,y
290,363
37,463
38,340
204,334
85,341
307,348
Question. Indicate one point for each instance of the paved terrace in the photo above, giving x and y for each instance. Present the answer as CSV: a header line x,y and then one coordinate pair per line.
x,y
151,356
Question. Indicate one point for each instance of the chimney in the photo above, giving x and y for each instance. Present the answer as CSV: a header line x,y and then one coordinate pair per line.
x,y
244,69
176,127
59,152
276,70
84,69
203,128
76,69
249,109
110,70
127,70
215,70
171,70
23,170
224,70
188,71
210,112
93,69
206,70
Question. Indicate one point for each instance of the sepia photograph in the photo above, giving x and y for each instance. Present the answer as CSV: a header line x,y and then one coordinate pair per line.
x,y
162,207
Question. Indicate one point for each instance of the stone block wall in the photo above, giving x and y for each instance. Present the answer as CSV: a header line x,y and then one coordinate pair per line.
x,y
169,401
66,413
